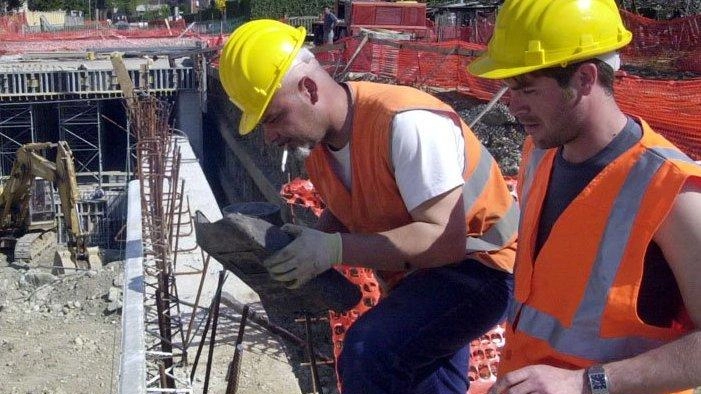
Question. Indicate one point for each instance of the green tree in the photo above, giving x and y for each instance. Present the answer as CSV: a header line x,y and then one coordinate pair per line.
x,y
126,6
45,5
9,5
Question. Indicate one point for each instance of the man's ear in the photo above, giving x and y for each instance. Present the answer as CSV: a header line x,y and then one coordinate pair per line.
x,y
308,87
586,77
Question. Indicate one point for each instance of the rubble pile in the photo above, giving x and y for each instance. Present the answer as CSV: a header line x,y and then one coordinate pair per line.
x,y
60,333
497,129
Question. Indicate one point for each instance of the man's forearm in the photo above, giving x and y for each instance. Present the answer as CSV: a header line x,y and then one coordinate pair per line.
x,y
672,367
416,245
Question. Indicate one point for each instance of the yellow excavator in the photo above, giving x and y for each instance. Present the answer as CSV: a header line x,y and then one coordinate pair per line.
x,y
27,221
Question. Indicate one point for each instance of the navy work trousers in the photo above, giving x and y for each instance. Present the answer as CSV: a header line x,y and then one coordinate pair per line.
x,y
416,340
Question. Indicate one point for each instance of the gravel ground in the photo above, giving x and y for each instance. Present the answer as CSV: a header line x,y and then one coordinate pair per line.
x,y
60,334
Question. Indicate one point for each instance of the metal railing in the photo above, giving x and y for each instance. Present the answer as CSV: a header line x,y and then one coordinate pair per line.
x,y
306,21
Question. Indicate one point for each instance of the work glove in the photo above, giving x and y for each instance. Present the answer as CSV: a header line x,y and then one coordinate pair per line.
x,y
311,253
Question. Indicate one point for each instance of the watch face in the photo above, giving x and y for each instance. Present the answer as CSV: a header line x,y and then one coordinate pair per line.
x,y
598,381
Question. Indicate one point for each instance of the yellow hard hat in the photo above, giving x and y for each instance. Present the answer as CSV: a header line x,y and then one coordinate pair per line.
x,y
253,63
534,34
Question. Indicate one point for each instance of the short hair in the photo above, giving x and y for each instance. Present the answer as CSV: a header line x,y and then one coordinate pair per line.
x,y
301,64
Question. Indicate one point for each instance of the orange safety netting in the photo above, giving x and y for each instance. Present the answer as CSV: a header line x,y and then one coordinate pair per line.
x,y
671,107
301,192
651,36
11,32
665,45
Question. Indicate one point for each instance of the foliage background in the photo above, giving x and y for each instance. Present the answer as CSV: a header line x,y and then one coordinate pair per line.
x,y
254,9
277,8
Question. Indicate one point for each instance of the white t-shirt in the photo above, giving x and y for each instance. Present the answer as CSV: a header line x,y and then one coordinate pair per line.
x,y
428,156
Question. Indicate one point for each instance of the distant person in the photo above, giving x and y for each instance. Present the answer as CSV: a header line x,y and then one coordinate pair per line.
x,y
607,295
98,193
330,22
410,192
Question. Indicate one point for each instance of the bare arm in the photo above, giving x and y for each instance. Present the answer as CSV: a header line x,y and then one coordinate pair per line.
x,y
436,237
676,365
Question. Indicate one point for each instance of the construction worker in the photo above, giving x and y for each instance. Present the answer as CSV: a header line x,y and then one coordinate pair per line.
x,y
409,192
608,277
330,22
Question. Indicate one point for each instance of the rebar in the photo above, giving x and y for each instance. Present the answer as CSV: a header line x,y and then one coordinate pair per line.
x,y
235,366
213,337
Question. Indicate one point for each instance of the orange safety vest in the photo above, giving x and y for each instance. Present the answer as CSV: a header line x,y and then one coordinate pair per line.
x,y
374,203
575,303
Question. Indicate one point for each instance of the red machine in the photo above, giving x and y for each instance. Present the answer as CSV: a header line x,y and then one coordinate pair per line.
x,y
401,16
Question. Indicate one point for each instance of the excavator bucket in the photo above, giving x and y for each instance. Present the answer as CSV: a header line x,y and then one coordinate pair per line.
x,y
94,260
64,259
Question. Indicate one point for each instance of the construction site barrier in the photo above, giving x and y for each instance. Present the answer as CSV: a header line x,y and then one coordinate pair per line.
x,y
671,106
15,28
651,36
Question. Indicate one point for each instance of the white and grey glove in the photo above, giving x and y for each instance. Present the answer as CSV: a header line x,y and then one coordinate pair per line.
x,y
311,253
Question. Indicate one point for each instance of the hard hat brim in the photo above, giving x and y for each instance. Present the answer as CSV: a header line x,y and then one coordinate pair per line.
x,y
248,123
485,67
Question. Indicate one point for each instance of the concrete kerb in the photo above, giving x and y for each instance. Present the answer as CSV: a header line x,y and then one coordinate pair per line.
x,y
132,374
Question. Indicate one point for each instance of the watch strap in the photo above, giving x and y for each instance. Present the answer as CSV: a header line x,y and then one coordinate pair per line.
x,y
597,379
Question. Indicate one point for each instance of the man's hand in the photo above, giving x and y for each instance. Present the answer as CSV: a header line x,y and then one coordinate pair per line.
x,y
541,379
311,253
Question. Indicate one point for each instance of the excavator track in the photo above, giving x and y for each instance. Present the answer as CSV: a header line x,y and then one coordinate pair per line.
x,y
31,246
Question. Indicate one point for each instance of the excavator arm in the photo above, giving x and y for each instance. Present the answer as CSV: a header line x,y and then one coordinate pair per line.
x,y
16,194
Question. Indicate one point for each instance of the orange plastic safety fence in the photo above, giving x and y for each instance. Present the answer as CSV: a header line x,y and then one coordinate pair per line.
x,y
365,279
301,192
11,30
12,24
652,36
485,354
672,107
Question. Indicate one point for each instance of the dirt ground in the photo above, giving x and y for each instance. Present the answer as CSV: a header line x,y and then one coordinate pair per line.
x,y
57,332
61,334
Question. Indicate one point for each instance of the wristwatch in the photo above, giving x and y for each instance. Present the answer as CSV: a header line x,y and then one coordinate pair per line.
x,y
598,381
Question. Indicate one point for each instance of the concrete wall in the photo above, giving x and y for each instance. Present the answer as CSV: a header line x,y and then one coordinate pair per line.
x,y
189,119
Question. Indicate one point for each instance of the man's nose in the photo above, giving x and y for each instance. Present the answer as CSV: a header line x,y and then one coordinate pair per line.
x,y
516,104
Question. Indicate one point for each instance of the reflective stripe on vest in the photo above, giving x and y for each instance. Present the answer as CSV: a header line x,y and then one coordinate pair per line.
x,y
500,233
582,338
533,162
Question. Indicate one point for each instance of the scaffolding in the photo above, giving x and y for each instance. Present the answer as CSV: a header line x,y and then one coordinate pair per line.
x,y
80,125
16,129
